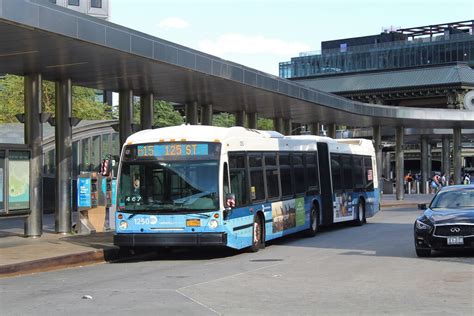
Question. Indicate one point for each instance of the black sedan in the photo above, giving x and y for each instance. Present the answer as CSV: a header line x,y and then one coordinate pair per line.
x,y
448,222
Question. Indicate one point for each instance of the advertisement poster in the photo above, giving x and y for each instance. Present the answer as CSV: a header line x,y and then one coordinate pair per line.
x,y
84,192
19,181
343,209
288,214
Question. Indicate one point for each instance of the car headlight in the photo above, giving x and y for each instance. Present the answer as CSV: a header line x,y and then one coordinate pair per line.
x,y
422,226
123,225
213,224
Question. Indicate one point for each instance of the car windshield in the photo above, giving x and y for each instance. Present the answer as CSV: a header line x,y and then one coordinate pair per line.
x,y
454,199
169,186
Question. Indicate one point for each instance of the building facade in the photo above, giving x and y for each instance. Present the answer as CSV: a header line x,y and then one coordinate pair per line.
x,y
96,8
423,67
392,49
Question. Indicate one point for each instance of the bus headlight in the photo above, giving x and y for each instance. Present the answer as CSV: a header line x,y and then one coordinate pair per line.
x,y
213,224
123,225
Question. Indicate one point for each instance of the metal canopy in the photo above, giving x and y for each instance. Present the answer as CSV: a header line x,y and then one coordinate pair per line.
x,y
39,37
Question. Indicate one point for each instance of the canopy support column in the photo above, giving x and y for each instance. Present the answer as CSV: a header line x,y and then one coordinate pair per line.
x,y
63,139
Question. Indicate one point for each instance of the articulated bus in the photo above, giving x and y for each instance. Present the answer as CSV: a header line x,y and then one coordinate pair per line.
x,y
236,187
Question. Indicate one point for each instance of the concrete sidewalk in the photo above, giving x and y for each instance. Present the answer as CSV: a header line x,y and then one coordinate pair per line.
x,y
20,255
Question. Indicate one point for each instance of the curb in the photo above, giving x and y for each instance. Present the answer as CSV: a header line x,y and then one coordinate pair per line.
x,y
59,262
392,205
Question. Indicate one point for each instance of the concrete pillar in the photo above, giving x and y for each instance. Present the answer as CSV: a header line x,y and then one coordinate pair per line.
x,y
252,120
424,163
386,165
191,112
457,158
400,162
445,150
146,111
34,140
63,139
315,128
278,124
206,113
377,136
240,118
331,130
287,127
125,114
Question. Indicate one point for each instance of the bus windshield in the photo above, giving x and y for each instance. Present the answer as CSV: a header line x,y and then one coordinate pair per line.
x,y
169,186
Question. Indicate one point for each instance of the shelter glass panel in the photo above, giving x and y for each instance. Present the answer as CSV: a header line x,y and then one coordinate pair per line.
x,y
2,181
95,153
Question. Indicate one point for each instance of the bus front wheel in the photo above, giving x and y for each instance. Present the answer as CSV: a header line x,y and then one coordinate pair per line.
x,y
258,241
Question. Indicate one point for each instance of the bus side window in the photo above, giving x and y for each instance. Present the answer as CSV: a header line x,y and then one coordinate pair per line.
x,y
226,180
336,170
369,174
358,173
238,179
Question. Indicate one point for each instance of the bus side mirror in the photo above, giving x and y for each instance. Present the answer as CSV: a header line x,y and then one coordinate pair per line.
x,y
229,201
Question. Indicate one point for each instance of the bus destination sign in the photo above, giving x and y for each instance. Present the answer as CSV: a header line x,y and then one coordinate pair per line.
x,y
172,150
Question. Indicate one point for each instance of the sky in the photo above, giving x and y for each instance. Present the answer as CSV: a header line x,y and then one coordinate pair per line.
x,y
261,33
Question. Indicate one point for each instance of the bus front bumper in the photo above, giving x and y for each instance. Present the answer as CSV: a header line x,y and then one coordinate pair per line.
x,y
165,239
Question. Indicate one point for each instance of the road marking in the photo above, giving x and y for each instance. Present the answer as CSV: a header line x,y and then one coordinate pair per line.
x,y
197,302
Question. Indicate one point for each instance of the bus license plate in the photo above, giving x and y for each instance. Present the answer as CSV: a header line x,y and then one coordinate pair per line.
x,y
456,240
193,222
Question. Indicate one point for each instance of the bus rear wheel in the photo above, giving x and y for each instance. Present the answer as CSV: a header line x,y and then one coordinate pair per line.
x,y
258,241
360,213
314,223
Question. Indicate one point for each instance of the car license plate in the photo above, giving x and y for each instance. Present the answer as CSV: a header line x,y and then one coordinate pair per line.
x,y
456,240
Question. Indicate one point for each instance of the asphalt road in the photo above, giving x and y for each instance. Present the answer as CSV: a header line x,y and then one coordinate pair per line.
x,y
370,270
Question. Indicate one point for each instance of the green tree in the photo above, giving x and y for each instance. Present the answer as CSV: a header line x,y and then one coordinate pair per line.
x,y
84,103
164,114
223,120
265,124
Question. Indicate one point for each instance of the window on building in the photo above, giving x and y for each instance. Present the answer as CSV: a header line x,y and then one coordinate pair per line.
x,y
52,1
73,2
96,3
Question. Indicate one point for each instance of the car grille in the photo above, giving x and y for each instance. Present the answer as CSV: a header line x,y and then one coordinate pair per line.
x,y
454,230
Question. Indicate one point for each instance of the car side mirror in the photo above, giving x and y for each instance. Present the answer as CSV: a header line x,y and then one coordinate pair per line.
x,y
422,206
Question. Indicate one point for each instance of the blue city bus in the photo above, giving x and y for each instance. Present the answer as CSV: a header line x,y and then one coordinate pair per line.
x,y
236,187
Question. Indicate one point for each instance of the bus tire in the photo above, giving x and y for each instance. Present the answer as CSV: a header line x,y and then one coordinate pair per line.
x,y
258,239
314,222
360,213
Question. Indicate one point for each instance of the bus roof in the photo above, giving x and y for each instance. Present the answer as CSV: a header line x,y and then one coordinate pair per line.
x,y
201,133
264,140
